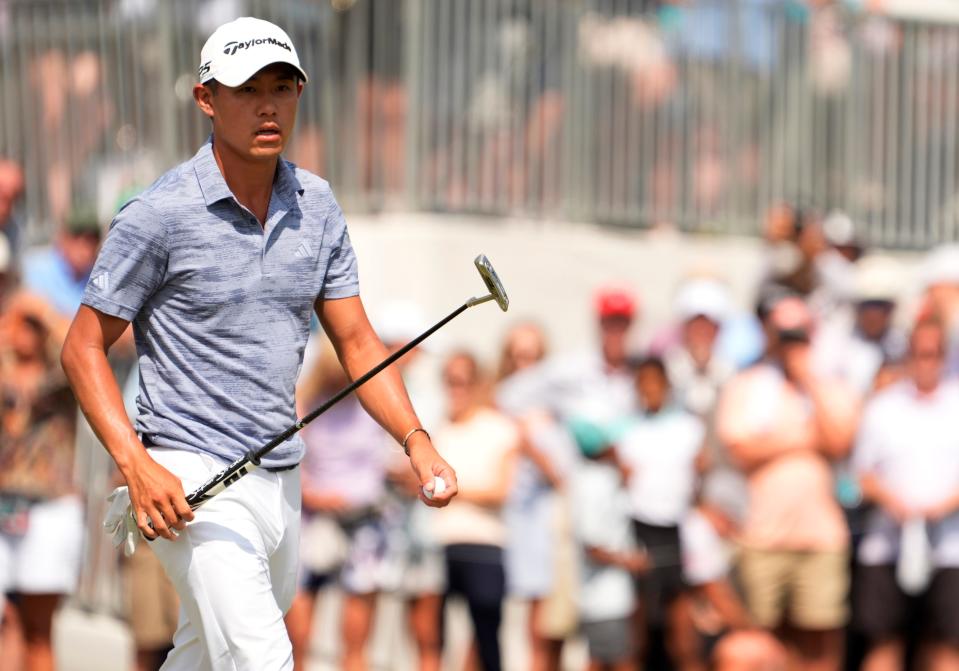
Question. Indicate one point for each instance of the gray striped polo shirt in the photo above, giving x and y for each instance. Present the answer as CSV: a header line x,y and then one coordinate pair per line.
x,y
221,306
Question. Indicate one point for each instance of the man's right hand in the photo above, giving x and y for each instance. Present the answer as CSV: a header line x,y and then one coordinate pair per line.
x,y
157,497
895,508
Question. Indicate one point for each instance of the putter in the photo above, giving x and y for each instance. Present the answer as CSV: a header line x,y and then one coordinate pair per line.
x,y
249,462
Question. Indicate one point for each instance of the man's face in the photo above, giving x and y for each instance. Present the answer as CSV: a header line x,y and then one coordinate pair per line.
x,y
525,347
652,387
699,336
613,333
927,354
461,383
874,318
254,120
80,251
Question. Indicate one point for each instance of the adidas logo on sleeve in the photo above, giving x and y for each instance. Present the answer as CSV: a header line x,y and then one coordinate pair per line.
x,y
101,281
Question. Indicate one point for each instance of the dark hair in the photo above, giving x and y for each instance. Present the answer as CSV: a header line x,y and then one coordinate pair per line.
x,y
214,85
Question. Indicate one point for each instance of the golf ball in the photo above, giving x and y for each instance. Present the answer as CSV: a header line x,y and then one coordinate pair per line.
x,y
439,486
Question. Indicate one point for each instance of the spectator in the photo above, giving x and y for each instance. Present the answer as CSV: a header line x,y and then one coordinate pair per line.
x,y
749,651
596,385
854,350
812,256
658,446
41,517
60,273
695,368
795,238
11,189
153,608
538,555
940,279
697,371
344,537
610,555
481,445
784,426
416,565
836,263
711,608
907,455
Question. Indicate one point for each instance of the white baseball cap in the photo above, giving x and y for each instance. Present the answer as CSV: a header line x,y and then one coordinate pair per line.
x,y
239,49
878,278
702,297
941,266
399,322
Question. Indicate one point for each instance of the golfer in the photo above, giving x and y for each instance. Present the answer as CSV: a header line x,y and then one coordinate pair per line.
x,y
219,265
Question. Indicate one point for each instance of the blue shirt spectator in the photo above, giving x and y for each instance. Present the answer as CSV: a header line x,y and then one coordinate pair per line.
x,y
59,273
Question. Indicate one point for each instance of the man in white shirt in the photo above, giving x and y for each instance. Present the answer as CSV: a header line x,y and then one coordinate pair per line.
x,y
907,458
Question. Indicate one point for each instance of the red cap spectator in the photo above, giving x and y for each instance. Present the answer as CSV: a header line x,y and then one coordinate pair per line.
x,y
615,302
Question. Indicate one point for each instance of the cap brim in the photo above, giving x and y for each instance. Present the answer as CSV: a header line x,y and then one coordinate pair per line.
x,y
711,315
239,75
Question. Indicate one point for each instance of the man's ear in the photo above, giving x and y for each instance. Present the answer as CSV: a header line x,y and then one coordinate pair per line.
x,y
203,97
299,87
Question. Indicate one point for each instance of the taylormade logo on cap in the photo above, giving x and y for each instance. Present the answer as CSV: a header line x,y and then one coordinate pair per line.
x,y
239,49
230,47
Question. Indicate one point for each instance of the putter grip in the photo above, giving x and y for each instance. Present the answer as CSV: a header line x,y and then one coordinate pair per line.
x,y
220,481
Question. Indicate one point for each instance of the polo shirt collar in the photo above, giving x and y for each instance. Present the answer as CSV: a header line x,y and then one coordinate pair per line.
x,y
208,174
286,186
214,188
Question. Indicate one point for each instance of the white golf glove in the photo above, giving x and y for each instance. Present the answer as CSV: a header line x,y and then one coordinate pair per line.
x,y
119,521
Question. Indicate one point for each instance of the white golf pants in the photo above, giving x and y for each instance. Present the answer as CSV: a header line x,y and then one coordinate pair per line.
x,y
234,568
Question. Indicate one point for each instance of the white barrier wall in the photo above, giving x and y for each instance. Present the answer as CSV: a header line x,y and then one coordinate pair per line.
x,y
550,269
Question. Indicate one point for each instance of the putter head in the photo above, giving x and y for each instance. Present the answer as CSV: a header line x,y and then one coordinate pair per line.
x,y
491,279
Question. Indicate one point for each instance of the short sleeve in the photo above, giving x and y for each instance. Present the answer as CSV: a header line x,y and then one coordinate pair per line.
x,y
342,277
132,263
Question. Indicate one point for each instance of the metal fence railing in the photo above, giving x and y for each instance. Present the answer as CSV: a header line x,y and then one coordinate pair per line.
x,y
636,112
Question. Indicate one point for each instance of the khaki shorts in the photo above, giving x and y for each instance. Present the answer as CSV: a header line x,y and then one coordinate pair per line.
x,y
153,603
809,588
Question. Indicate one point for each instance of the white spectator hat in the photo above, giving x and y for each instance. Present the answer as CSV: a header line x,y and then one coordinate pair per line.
x,y
878,278
239,49
702,297
840,229
941,266
399,322
5,256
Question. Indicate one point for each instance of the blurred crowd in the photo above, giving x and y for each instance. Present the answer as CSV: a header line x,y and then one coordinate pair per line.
x,y
761,489
690,113
740,489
